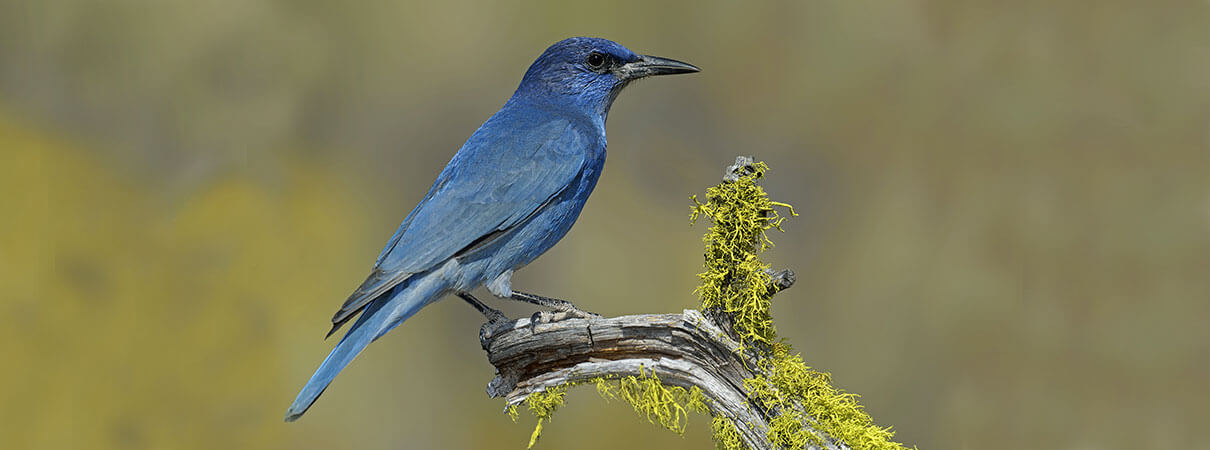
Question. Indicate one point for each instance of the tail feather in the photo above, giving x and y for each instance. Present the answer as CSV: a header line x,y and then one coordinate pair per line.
x,y
379,316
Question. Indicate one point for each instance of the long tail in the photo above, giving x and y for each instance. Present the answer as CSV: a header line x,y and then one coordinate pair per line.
x,y
379,317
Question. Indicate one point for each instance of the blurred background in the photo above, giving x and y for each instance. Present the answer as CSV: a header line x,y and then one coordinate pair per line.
x,y
1004,236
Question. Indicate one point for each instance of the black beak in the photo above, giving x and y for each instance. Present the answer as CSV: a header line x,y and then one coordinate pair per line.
x,y
653,65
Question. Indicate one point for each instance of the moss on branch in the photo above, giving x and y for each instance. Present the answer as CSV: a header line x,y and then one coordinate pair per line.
x,y
799,406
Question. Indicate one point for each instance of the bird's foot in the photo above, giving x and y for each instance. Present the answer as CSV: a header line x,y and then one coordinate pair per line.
x,y
543,317
578,313
563,308
495,318
489,329
559,315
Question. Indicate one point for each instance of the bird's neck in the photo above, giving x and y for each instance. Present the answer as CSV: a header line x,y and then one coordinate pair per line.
x,y
572,108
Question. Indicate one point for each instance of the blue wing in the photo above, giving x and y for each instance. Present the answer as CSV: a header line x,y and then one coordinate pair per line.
x,y
509,169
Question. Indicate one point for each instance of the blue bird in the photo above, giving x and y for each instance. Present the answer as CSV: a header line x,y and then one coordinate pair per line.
x,y
509,194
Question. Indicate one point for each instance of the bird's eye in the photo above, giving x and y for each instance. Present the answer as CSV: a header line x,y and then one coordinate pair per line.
x,y
595,61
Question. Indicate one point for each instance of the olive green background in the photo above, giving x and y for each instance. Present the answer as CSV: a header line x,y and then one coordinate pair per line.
x,y
1004,238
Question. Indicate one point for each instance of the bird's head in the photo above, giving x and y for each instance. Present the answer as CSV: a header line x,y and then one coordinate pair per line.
x,y
588,73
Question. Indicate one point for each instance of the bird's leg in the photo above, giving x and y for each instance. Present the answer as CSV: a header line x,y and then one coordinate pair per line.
x,y
495,318
493,315
554,303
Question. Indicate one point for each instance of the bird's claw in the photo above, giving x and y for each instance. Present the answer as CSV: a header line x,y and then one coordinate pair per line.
x,y
495,323
560,314
533,321
574,312
541,317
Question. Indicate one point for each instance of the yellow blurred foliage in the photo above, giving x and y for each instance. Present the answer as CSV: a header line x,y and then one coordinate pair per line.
x,y
137,324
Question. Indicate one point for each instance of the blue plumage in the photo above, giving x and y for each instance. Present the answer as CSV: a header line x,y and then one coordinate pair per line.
x,y
509,194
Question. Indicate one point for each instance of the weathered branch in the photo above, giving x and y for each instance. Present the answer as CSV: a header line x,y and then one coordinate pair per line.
x,y
687,349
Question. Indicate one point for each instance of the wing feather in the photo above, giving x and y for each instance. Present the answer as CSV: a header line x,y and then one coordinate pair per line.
x,y
494,183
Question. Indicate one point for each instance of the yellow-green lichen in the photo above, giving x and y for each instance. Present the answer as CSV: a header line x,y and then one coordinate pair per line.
x,y
736,283
667,406
543,404
834,411
726,436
